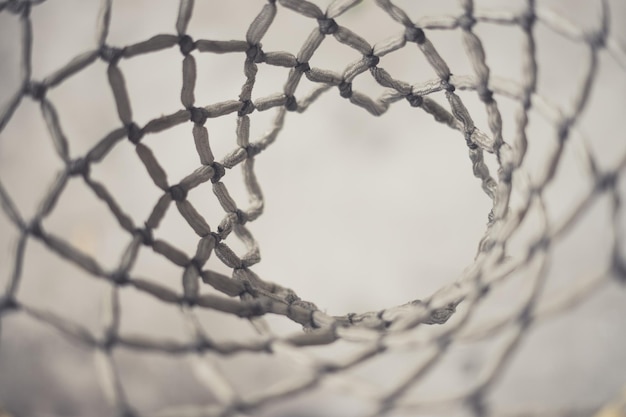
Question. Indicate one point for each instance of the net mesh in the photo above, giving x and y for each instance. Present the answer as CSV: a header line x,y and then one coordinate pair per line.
x,y
555,193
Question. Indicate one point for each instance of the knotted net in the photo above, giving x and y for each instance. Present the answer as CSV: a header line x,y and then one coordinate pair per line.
x,y
133,294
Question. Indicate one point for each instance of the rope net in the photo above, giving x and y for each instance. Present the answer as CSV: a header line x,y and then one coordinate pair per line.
x,y
532,326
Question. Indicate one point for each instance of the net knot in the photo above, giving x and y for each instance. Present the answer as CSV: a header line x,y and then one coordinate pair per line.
x,y
189,301
203,345
415,100
466,22
527,20
247,107
36,90
468,140
526,315
255,309
146,236
606,182
34,228
442,314
110,54
327,26
242,217
597,39
186,44
345,89
563,129
303,312
447,86
291,104
198,115
109,341
8,303
470,143
177,192
540,244
302,67
248,288
79,166
372,60
120,278
506,174
218,172
291,297
134,133
253,150
415,34
197,263
485,94
255,53
216,236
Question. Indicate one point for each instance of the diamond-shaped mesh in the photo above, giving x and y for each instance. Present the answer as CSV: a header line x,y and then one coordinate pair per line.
x,y
549,157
